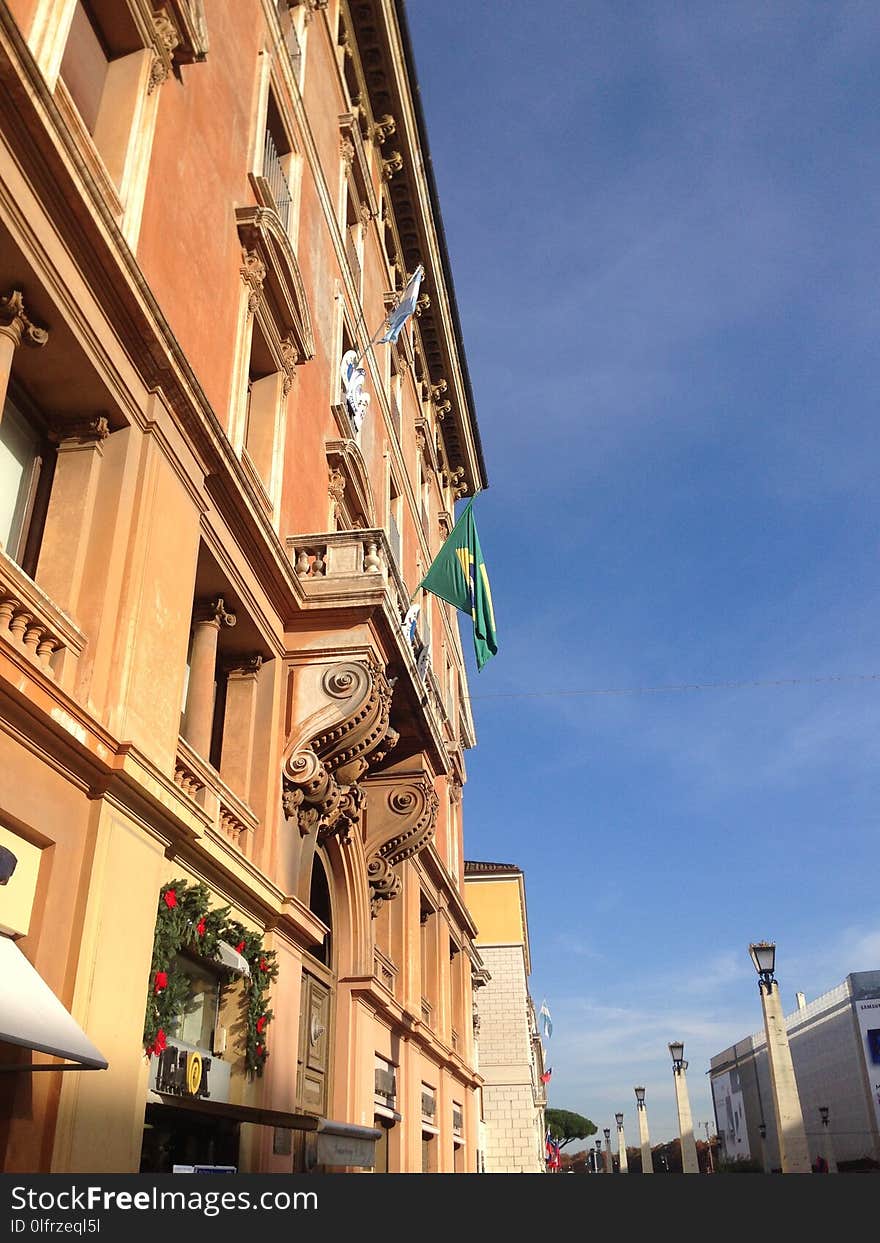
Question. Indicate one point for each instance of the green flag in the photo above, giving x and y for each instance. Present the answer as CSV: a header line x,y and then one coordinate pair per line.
x,y
458,575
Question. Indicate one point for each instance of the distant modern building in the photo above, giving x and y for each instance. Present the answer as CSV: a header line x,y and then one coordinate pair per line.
x,y
835,1048
510,1052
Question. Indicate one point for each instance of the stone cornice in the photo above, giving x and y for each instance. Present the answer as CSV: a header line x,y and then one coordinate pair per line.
x,y
382,41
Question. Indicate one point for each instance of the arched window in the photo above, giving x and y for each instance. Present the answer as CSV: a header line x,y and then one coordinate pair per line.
x,y
320,905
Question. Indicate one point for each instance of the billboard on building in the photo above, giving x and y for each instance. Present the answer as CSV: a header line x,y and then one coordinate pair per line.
x,y
730,1112
868,1015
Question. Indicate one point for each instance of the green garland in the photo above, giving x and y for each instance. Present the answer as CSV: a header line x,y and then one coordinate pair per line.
x,y
184,921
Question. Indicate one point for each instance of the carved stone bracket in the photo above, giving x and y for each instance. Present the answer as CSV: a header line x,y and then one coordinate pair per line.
x,y
383,128
289,360
15,323
89,429
422,304
337,743
253,273
403,816
392,165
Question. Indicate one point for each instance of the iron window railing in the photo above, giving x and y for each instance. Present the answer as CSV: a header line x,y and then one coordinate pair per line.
x,y
273,171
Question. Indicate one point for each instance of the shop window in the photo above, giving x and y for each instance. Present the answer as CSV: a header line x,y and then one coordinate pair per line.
x,y
26,465
197,1020
381,1165
429,1153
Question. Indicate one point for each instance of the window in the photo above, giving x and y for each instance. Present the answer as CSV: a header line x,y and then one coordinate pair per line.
x,y
320,905
107,93
292,20
26,466
395,518
281,169
429,1130
85,66
262,405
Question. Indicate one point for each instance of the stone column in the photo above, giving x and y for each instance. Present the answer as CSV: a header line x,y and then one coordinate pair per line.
x,y
239,724
645,1141
15,328
65,543
689,1162
609,1160
207,620
621,1150
794,1153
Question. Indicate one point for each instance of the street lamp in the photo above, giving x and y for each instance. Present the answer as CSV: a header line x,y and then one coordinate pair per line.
x,y
689,1162
794,1154
609,1164
829,1146
597,1156
623,1165
644,1138
710,1165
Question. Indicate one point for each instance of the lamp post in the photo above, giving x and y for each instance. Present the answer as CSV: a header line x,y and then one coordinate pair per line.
x,y
622,1164
829,1145
644,1138
710,1165
609,1162
689,1162
597,1157
762,1130
794,1153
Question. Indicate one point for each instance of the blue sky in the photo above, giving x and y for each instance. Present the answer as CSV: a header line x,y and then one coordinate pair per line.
x,y
662,221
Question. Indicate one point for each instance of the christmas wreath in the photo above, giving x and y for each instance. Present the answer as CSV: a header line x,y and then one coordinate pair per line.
x,y
184,921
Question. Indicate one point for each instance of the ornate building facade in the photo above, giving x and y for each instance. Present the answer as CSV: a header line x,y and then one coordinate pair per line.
x,y
224,756
511,1052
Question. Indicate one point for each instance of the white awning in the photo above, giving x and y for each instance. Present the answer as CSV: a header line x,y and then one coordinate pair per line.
x,y
232,959
33,1017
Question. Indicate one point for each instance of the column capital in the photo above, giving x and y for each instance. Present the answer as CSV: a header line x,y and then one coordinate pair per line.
x,y
244,666
15,323
94,429
213,611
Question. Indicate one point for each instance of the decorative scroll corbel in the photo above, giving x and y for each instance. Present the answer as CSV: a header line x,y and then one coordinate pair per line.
x,y
403,817
338,740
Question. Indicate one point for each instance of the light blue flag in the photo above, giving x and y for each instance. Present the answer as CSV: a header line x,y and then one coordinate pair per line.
x,y
404,308
544,1014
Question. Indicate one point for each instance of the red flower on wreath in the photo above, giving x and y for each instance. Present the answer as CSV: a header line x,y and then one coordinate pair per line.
x,y
259,1050
159,1043
264,966
239,949
170,899
200,927
161,981
261,1023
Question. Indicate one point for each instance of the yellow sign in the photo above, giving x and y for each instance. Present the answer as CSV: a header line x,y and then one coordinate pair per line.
x,y
194,1072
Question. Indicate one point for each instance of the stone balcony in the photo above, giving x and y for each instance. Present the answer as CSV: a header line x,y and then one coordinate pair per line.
x,y
226,814
36,628
357,570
